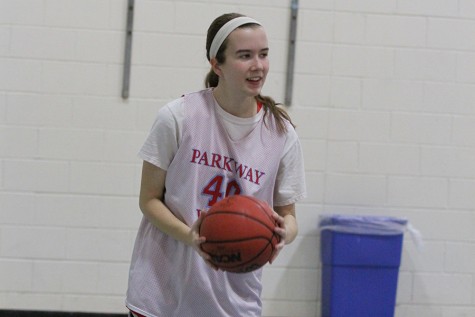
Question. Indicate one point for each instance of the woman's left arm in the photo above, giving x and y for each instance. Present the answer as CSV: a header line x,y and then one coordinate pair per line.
x,y
286,227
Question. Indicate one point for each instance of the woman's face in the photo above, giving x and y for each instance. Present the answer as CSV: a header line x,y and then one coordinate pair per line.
x,y
246,63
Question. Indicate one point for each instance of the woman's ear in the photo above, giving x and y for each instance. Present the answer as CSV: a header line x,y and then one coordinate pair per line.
x,y
215,66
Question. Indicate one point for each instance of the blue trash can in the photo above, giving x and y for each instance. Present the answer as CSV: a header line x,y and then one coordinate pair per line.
x,y
360,258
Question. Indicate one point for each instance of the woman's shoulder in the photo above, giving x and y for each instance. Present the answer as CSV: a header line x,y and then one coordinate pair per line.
x,y
282,122
174,111
289,133
174,105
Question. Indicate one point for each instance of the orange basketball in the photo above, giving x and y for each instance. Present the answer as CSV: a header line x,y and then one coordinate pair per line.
x,y
239,233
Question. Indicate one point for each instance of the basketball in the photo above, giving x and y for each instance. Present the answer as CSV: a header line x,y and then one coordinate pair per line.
x,y
239,233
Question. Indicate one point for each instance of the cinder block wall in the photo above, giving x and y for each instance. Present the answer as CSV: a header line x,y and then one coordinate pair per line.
x,y
384,100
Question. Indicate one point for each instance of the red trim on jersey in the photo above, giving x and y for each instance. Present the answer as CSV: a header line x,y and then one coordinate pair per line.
x,y
259,106
137,314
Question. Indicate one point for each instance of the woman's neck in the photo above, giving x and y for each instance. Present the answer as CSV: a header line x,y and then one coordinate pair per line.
x,y
244,107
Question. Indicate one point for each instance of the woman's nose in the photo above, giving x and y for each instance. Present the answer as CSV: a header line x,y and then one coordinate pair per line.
x,y
257,63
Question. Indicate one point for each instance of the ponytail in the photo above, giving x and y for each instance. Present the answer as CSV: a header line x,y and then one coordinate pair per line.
x,y
211,79
277,111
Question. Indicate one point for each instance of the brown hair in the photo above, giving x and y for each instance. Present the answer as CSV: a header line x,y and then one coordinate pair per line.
x,y
212,79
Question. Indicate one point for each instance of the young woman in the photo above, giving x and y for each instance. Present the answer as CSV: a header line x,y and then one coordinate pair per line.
x,y
225,140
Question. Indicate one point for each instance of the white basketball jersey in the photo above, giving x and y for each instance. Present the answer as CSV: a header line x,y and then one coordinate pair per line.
x,y
168,278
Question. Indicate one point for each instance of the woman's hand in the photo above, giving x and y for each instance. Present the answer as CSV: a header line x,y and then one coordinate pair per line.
x,y
286,228
196,240
281,231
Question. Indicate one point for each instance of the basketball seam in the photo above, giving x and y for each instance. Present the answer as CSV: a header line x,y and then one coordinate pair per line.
x,y
239,240
240,214
259,203
270,217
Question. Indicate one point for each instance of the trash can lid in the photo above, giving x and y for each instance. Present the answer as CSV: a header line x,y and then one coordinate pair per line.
x,y
377,225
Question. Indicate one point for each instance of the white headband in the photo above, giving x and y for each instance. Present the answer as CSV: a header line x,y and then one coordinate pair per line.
x,y
224,32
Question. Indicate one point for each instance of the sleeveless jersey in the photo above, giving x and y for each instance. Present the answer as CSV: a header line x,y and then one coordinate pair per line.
x,y
168,278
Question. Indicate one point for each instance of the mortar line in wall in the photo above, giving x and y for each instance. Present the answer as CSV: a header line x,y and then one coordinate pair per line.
x,y
64,260
75,194
387,46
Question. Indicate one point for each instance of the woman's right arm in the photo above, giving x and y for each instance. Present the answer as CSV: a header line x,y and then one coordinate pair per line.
x,y
151,197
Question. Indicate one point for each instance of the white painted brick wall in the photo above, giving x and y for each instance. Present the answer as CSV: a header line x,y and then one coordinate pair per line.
x,y
391,30
384,102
